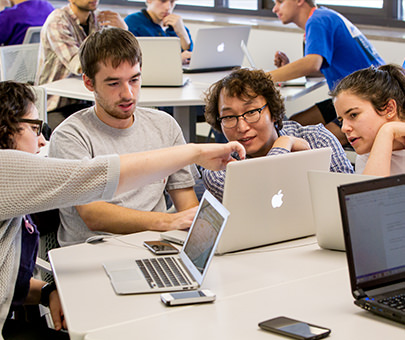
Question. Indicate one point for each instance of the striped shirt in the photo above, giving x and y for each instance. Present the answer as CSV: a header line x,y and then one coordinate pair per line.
x,y
316,135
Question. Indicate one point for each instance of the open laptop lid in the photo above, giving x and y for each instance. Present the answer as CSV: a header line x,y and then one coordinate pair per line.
x,y
161,61
373,217
269,199
204,235
325,205
218,49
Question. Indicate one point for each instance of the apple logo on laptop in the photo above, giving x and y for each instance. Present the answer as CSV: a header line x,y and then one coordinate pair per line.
x,y
221,47
277,200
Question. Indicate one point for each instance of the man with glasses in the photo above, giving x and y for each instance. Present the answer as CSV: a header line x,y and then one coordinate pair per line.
x,y
247,107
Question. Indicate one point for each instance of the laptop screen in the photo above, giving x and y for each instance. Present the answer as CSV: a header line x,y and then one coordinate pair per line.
x,y
203,235
375,222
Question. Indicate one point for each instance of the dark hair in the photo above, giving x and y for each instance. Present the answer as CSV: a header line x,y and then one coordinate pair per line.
x,y
15,101
376,85
111,44
312,3
245,84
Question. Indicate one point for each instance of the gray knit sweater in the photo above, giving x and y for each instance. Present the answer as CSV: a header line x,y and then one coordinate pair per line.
x,y
30,184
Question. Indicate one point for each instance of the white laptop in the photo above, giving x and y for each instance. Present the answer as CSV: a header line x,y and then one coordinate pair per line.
x,y
218,49
269,200
325,203
170,273
161,61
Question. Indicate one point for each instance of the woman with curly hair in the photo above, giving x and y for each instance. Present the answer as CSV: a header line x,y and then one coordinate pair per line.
x,y
247,107
370,103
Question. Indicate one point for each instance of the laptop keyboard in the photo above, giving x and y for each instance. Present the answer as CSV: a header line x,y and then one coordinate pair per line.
x,y
397,301
162,272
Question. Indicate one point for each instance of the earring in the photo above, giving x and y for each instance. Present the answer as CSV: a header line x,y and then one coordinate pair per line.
x,y
389,116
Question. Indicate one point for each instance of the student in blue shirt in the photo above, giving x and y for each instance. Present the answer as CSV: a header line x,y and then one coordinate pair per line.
x,y
15,20
158,20
333,46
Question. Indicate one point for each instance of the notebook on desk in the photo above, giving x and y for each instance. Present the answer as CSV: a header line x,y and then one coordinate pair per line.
x,y
161,62
170,273
217,49
325,204
373,217
268,199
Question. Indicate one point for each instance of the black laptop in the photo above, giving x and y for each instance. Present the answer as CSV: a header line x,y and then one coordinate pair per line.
x,y
373,218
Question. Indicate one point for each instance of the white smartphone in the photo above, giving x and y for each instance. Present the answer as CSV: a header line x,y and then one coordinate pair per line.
x,y
186,298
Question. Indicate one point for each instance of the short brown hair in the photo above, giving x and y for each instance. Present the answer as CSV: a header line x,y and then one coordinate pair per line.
x,y
245,84
376,85
15,101
111,44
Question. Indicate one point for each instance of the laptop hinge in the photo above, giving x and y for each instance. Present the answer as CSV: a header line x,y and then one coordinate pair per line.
x,y
359,294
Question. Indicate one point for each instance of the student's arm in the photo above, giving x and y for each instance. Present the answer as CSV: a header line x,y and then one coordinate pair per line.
x,y
291,143
391,136
176,22
112,218
34,297
299,68
110,18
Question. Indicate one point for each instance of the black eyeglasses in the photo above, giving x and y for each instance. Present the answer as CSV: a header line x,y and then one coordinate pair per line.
x,y
36,125
251,116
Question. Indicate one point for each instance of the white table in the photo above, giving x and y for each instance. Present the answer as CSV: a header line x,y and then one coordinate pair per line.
x,y
250,287
181,98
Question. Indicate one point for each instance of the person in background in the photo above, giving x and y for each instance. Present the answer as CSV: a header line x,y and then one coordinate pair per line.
x,y
112,63
333,46
370,103
61,36
248,108
32,183
19,16
158,20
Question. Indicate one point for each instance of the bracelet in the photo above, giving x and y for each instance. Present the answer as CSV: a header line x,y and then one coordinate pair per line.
x,y
46,290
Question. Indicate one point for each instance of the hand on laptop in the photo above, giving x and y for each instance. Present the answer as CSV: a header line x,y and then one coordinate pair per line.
x,y
291,143
185,57
182,220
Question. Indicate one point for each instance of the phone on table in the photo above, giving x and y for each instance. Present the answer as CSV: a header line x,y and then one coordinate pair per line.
x,y
186,298
294,328
160,247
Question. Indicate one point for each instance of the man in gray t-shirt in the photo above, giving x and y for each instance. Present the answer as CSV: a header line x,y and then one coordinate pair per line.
x,y
111,62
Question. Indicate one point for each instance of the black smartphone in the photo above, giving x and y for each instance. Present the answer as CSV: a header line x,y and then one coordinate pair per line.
x,y
160,247
294,328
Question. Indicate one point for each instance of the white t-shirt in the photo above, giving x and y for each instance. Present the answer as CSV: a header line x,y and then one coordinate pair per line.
x,y
397,162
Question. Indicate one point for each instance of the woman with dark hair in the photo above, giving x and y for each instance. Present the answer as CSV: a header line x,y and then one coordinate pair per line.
x,y
31,184
370,103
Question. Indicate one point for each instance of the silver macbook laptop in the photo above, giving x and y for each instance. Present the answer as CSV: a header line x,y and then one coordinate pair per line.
x,y
170,273
218,49
161,61
269,200
325,203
